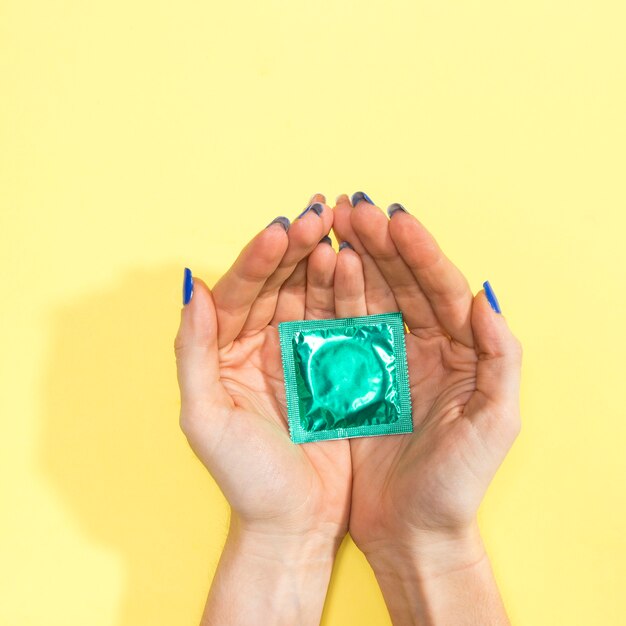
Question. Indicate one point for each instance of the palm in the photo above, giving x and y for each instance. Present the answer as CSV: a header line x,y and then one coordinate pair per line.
x,y
435,476
305,482
424,468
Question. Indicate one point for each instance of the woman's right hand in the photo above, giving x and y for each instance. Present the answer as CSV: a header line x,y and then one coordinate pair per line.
x,y
415,496
464,368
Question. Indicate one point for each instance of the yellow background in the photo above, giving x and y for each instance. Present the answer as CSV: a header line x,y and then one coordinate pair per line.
x,y
139,137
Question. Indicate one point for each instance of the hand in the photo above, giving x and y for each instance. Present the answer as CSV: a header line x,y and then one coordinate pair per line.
x,y
417,494
285,499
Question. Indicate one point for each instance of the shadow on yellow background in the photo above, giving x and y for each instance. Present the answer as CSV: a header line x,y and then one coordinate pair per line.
x,y
113,449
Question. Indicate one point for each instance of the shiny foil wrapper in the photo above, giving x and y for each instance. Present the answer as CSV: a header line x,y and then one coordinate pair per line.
x,y
346,377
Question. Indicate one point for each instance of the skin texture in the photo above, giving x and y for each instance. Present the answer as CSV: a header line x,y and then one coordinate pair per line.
x,y
409,501
284,498
415,496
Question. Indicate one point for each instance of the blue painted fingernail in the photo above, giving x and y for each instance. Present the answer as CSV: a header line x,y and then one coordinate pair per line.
x,y
394,208
345,244
491,296
283,221
358,196
316,207
187,286
327,240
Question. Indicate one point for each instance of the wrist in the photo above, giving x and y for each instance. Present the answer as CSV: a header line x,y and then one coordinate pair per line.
x,y
278,574
438,578
428,553
284,545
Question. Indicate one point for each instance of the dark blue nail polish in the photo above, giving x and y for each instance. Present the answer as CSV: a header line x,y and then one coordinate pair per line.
x,y
491,296
345,244
358,196
317,208
283,221
327,240
187,286
394,208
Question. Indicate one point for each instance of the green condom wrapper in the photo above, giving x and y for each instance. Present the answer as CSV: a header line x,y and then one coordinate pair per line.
x,y
346,377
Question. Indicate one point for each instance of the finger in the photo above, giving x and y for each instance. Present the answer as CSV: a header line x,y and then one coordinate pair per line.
x,y
235,292
320,295
349,284
378,294
317,197
498,371
304,234
205,404
290,304
442,283
290,299
372,228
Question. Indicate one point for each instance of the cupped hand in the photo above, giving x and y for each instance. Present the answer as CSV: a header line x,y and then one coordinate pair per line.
x,y
464,369
233,407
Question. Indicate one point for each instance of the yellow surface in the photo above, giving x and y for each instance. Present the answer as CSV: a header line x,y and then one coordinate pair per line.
x,y
140,137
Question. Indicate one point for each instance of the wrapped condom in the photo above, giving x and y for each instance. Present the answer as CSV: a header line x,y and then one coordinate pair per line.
x,y
346,377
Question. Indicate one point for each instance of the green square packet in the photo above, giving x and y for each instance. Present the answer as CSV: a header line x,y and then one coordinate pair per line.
x,y
346,377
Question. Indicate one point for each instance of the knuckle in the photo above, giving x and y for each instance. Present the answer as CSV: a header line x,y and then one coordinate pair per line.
x,y
178,343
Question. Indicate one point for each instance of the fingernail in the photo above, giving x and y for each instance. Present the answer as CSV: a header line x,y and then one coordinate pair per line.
x,y
283,221
187,286
491,296
317,208
327,240
341,197
345,244
360,195
394,208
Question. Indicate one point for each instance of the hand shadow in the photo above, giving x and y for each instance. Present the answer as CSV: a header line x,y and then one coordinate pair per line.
x,y
112,447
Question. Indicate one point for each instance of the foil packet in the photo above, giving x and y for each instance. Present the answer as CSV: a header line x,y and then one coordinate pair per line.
x,y
346,377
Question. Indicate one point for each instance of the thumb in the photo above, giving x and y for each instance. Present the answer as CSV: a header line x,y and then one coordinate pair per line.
x,y
202,396
499,362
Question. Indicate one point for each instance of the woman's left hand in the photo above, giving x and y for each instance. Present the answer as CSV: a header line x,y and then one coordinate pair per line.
x,y
289,503
233,408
